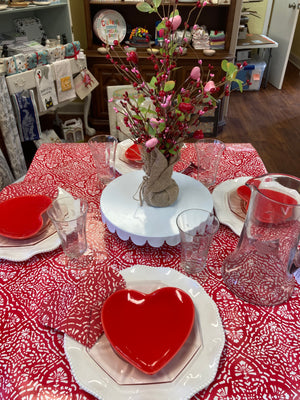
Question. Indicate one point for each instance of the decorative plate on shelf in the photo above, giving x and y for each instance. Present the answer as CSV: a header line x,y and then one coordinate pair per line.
x,y
109,25
31,27
195,374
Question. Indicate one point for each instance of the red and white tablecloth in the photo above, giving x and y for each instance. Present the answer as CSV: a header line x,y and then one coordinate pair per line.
x,y
261,357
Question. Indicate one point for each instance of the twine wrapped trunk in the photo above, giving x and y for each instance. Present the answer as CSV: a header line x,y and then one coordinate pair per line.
x,y
158,189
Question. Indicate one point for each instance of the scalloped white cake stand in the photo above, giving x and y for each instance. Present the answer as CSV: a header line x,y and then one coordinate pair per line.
x,y
122,213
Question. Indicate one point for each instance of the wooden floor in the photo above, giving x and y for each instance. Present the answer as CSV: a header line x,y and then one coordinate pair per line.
x,y
269,119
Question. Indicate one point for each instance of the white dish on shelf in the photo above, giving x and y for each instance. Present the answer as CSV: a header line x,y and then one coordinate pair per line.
x,y
195,376
42,3
221,205
3,6
122,213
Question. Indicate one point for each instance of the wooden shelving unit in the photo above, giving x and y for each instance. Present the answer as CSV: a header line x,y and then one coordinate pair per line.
x,y
214,17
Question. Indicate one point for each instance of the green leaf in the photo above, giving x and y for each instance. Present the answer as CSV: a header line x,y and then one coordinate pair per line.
x,y
161,25
162,127
172,151
152,82
181,117
240,83
151,131
173,13
145,7
146,110
172,49
231,68
156,3
141,99
224,65
169,86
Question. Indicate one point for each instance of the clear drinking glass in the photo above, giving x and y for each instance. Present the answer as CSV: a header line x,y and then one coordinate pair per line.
x,y
68,215
197,228
209,154
103,148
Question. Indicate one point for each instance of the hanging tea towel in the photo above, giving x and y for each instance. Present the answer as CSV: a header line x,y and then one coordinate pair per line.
x,y
27,115
45,88
64,80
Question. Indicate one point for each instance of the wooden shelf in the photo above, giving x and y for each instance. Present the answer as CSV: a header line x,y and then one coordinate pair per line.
x,y
224,17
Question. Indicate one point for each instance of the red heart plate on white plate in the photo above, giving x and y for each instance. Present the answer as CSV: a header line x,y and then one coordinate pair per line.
x,y
133,153
148,330
22,217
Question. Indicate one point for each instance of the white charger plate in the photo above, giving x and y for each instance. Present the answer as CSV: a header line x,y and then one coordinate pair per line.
x,y
221,205
196,375
22,253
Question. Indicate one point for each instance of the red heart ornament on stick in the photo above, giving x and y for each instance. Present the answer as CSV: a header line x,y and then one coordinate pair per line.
x,y
147,330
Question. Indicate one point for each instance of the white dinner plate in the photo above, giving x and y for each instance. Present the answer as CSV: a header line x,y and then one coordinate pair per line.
x,y
21,253
196,375
109,25
221,205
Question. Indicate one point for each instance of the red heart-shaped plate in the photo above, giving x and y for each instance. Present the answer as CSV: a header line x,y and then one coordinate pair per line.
x,y
133,153
147,330
272,207
21,217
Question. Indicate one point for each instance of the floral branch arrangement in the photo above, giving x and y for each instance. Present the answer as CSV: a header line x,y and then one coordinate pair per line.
x,y
162,114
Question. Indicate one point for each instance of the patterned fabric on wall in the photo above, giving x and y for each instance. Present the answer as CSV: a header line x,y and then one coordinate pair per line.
x,y
6,176
10,133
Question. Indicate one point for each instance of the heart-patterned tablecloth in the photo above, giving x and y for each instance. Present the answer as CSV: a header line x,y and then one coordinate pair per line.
x,y
261,358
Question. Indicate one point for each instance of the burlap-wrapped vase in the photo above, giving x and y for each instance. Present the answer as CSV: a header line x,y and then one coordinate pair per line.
x,y
158,189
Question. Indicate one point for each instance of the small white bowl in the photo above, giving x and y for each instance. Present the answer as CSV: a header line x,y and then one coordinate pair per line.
x,y
152,51
102,50
209,52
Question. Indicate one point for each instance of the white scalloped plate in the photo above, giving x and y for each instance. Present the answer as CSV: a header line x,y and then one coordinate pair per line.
x,y
221,205
197,374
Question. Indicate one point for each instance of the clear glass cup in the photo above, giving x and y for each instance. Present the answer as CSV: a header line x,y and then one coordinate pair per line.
x,y
209,154
68,215
197,228
103,148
